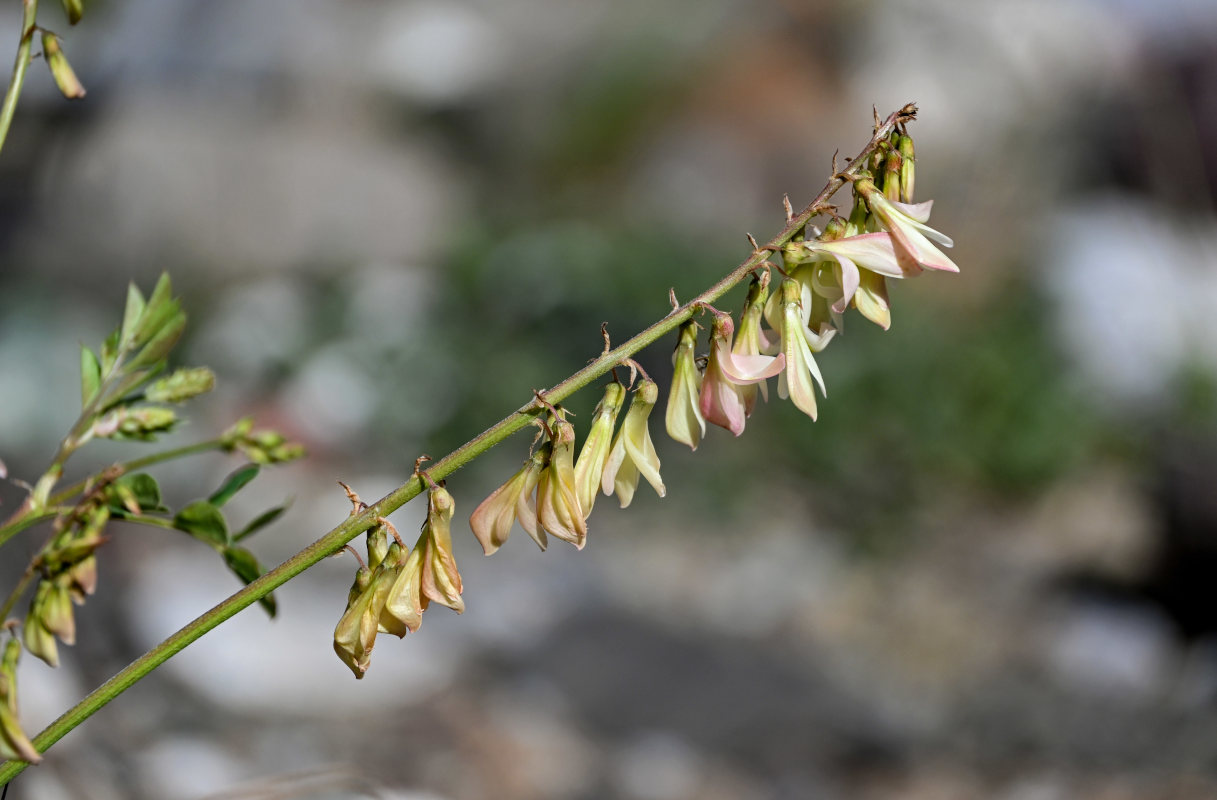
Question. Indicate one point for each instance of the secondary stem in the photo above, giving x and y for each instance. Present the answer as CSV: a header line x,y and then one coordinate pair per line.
x,y
354,525
9,107
17,525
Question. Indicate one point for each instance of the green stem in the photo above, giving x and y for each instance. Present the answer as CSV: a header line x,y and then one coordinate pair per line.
x,y
352,526
139,463
15,595
9,108
11,529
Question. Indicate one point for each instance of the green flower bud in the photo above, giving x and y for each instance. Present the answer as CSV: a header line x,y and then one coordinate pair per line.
x,y
182,385
907,164
378,545
38,640
74,9
61,70
13,741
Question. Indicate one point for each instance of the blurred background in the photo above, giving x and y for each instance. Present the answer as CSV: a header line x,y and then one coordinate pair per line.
x,y
988,571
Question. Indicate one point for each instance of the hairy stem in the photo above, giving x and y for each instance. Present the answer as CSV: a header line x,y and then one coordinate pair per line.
x,y
15,83
352,526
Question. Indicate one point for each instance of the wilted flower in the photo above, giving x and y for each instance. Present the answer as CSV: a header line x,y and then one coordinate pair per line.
x,y
492,520
910,235
589,467
558,509
355,633
441,581
722,402
633,451
684,419
13,741
404,601
795,299
38,639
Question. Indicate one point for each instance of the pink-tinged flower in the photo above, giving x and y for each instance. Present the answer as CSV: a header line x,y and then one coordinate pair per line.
x,y
441,581
852,256
795,382
589,467
558,510
751,340
633,452
492,520
721,400
910,235
684,420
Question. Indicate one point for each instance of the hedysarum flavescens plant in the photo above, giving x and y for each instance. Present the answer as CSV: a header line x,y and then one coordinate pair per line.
x,y
822,277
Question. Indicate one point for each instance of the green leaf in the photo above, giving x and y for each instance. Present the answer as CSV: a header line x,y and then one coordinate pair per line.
x,y
90,376
160,308
109,351
144,489
203,521
132,315
164,340
261,521
246,567
233,483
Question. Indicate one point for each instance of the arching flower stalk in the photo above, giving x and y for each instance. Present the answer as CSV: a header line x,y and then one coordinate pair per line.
x,y
633,452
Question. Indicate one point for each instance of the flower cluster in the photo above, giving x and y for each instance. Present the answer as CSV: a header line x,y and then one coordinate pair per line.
x,y
397,584
778,335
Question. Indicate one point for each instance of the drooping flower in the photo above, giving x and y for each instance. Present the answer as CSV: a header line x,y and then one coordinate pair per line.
x,y
441,581
795,382
721,400
355,633
685,423
589,467
751,340
558,510
910,235
404,603
492,520
633,452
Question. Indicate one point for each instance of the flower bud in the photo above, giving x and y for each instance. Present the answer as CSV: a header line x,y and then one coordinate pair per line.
x,y
891,176
57,615
182,385
61,70
137,422
37,639
378,545
13,741
589,467
907,167
633,452
74,9
684,419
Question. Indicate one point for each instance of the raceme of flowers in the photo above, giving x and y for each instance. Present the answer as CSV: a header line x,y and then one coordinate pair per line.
x,y
822,276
